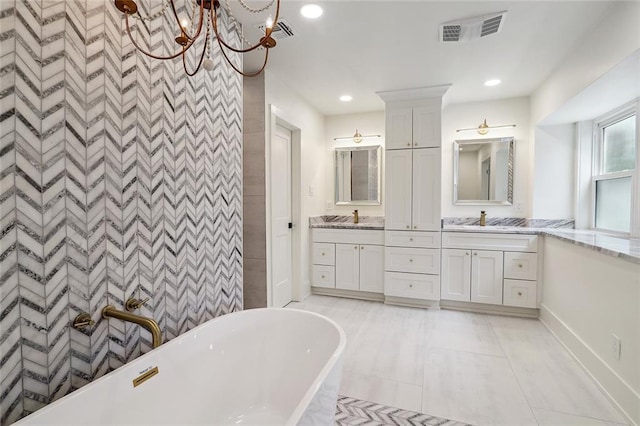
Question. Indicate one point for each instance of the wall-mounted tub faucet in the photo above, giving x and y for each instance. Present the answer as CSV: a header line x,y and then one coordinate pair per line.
x,y
146,323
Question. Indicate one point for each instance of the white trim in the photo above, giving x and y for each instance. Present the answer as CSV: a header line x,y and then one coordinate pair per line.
x,y
614,387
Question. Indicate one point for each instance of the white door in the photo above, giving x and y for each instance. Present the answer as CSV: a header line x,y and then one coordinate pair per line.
x,y
348,266
426,128
398,190
372,268
399,131
486,277
426,189
456,275
282,287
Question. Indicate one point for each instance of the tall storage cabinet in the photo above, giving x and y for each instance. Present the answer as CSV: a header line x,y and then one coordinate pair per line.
x,y
412,188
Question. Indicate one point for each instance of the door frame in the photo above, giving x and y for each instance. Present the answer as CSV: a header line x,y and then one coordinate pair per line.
x,y
275,117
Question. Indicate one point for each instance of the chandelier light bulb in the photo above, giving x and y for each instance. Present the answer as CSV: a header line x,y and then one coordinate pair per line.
x,y
184,23
270,22
207,64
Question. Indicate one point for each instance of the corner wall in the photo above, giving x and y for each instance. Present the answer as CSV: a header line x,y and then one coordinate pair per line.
x,y
120,177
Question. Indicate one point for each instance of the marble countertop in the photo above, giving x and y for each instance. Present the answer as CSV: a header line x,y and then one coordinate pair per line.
x,y
621,247
346,222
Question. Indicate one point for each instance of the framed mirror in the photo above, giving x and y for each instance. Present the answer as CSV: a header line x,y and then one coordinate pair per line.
x,y
483,171
358,175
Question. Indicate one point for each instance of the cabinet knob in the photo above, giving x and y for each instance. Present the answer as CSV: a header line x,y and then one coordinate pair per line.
x,y
519,265
467,253
410,239
475,254
323,253
519,293
323,276
407,226
415,226
356,247
408,144
415,144
410,260
411,285
361,247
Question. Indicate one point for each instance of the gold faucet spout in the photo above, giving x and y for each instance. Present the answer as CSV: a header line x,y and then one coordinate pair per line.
x,y
148,324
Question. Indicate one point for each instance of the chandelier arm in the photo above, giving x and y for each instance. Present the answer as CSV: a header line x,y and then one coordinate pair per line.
x,y
137,46
264,64
184,62
214,21
200,21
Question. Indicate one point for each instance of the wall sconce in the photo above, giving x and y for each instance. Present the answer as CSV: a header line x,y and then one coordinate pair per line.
x,y
356,138
483,128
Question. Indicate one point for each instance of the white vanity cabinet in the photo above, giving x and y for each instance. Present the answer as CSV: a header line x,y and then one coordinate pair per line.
x,y
497,269
413,189
348,259
412,127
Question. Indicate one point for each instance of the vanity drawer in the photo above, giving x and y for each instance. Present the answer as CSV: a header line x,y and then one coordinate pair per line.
x,y
520,266
519,293
323,276
415,260
487,241
412,239
324,254
415,286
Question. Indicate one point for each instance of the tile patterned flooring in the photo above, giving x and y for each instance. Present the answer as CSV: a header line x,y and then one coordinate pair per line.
x,y
470,368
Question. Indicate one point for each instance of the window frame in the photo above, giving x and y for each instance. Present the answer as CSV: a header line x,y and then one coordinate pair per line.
x,y
599,125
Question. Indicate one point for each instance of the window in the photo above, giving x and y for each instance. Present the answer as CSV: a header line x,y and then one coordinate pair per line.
x,y
614,172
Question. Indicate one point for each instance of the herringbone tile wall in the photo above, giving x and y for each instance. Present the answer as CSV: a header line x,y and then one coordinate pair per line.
x,y
121,177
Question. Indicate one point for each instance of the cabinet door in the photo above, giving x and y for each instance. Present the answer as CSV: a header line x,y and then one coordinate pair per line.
x,y
348,266
398,190
399,129
486,277
426,189
456,275
372,268
426,127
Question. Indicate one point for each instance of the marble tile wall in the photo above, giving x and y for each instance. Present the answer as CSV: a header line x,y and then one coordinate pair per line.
x,y
120,177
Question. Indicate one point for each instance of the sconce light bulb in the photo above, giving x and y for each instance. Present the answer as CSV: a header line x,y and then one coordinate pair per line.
x,y
207,64
270,22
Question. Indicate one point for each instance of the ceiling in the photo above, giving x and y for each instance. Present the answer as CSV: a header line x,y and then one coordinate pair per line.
x,y
359,47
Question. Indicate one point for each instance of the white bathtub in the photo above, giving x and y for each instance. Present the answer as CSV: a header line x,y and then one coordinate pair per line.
x,y
256,367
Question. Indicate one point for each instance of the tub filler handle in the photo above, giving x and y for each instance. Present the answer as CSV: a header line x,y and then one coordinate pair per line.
x,y
148,324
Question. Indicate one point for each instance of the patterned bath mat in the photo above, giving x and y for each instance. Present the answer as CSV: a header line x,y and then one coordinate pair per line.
x,y
352,411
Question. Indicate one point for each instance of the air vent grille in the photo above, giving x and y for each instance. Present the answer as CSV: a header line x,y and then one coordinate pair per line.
x,y
472,28
491,26
282,29
451,32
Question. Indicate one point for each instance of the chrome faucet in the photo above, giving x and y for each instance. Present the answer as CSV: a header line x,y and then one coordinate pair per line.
x,y
148,324
355,216
483,218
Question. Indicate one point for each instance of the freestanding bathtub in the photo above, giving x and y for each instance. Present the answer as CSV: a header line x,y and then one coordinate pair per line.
x,y
256,367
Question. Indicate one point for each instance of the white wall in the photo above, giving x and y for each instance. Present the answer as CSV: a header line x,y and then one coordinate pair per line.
x,y
296,111
587,297
616,38
554,172
370,123
507,111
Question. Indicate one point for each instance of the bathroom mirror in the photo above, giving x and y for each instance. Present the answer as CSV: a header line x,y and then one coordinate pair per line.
x,y
358,175
483,171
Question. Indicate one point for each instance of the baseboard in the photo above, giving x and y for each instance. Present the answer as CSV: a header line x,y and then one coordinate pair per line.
x,y
412,303
489,309
350,294
617,390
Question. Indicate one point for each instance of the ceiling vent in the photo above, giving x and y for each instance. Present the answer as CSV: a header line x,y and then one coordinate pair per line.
x,y
282,29
472,28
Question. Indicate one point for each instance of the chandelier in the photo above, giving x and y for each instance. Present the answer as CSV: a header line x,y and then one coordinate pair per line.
x,y
207,17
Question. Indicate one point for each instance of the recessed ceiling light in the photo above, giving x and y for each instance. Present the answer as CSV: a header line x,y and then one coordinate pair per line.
x,y
493,82
311,11
346,98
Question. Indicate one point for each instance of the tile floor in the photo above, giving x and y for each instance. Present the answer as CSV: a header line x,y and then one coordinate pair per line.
x,y
471,368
